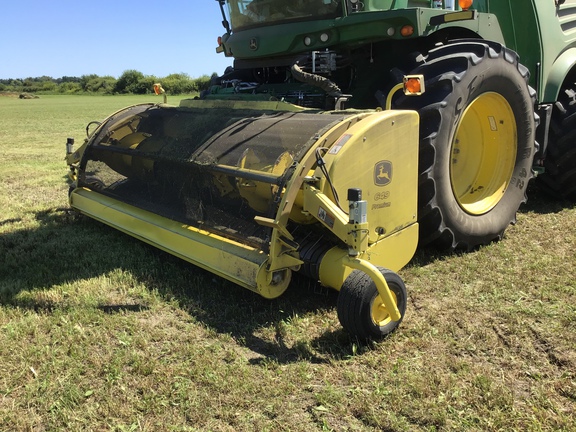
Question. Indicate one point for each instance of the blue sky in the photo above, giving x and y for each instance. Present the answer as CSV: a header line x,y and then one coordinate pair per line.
x,y
78,37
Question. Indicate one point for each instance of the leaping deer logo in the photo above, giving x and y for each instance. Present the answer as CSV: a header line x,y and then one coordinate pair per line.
x,y
383,173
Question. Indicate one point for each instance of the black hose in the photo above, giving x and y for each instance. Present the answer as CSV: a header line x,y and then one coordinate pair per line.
x,y
316,80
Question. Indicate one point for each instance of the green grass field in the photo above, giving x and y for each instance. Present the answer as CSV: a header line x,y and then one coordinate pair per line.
x,y
101,332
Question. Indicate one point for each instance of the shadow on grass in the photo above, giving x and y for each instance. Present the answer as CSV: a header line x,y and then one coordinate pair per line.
x,y
113,309
10,221
65,248
541,202
61,248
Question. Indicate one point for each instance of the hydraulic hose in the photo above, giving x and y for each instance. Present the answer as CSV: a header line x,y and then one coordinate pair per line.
x,y
316,80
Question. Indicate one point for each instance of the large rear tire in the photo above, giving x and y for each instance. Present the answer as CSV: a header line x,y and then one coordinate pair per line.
x,y
559,178
477,142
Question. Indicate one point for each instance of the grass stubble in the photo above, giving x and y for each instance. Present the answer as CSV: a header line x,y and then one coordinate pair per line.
x,y
101,332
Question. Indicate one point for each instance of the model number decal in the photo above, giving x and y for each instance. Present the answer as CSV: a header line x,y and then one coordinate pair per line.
x,y
381,196
381,205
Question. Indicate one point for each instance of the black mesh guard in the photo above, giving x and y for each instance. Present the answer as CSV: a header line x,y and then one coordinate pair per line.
x,y
162,159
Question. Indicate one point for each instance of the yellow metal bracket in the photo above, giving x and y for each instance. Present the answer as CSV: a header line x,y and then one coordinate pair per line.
x,y
354,235
73,158
283,248
379,281
283,252
356,238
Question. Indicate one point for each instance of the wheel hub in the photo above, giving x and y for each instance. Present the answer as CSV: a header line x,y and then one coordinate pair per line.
x,y
380,315
483,153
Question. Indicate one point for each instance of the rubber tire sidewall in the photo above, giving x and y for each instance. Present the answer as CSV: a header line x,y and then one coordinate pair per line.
x,y
355,305
443,221
499,79
559,177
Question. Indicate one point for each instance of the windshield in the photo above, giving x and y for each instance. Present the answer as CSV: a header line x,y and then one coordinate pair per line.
x,y
250,13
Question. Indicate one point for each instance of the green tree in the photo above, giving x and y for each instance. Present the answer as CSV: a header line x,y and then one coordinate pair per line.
x,y
85,79
176,83
31,85
70,87
49,86
129,82
145,85
68,79
97,84
204,82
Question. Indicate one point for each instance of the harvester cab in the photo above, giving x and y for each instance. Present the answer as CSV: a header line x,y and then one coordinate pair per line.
x,y
303,156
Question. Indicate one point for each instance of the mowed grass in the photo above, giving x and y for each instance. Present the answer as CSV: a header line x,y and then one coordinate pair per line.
x,y
101,332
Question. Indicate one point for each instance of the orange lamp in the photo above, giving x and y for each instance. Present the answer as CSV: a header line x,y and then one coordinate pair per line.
x,y
407,30
413,86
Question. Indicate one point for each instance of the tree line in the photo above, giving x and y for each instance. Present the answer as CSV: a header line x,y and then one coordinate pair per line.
x,y
130,82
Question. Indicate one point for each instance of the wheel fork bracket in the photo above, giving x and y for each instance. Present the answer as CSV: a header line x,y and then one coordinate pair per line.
x,y
379,280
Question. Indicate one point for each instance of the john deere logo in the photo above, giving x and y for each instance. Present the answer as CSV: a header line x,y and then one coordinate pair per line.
x,y
383,173
253,44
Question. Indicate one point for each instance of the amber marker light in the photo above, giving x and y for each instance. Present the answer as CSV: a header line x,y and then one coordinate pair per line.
x,y
413,85
219,48
407,30
465,4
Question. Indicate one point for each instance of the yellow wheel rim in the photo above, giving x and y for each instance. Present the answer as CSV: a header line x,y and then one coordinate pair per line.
x,y
380,315
483,153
